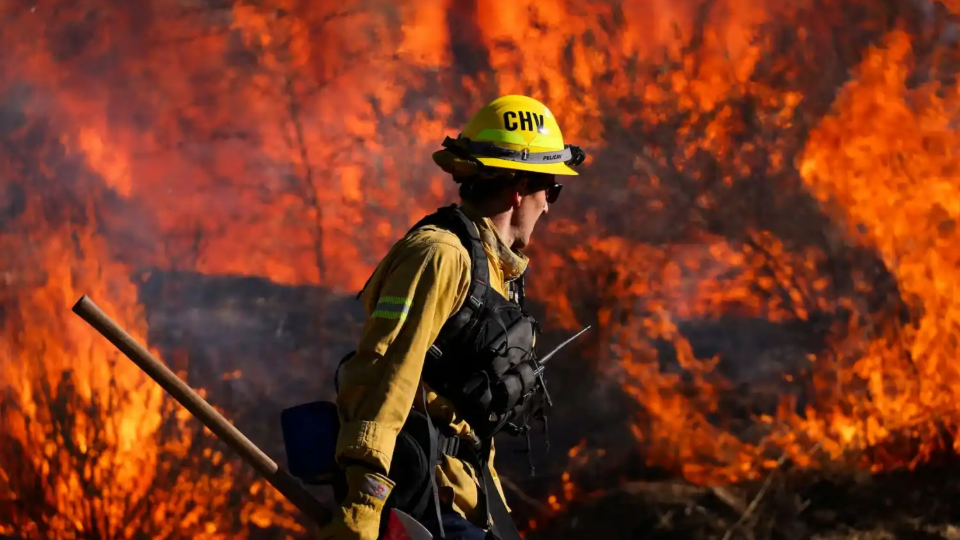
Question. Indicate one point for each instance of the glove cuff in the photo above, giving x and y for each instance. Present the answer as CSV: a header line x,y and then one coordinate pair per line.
x,y
367,484
367,494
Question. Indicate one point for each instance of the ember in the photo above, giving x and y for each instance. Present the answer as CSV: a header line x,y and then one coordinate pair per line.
x,y
764,236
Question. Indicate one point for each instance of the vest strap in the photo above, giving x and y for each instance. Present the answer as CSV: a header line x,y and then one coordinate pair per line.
x,y
453,219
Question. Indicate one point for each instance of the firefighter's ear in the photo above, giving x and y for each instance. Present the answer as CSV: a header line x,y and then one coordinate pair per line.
x,y
517,192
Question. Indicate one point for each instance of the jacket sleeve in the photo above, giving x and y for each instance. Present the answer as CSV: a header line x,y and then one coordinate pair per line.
x,y
424,284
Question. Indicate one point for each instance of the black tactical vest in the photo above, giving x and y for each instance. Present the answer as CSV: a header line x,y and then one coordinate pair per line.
x,y
483,360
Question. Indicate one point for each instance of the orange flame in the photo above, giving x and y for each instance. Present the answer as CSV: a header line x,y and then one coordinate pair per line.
x,y
90,446
291,140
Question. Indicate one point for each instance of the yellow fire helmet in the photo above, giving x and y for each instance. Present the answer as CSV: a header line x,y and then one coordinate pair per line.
x,y
516,133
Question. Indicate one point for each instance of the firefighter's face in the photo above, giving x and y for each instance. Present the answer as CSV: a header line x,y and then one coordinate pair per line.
x,y
533,195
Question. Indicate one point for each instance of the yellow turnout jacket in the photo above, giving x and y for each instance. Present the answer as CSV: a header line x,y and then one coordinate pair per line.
x,y
423,280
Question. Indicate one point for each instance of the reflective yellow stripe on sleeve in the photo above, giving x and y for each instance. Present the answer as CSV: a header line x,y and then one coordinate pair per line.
x,y
392,307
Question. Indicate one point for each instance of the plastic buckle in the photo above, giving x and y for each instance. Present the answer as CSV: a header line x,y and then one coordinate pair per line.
x,y
449,445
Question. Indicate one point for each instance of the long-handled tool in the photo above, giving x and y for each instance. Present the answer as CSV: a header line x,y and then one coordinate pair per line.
x,y
401,526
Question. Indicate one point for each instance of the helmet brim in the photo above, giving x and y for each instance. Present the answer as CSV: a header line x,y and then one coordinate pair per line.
x,y
560,169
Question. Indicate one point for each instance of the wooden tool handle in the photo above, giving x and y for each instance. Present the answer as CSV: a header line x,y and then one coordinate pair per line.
x,y
287,485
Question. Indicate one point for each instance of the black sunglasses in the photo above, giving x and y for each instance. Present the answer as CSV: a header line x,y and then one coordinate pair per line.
x,y
538,183
553,193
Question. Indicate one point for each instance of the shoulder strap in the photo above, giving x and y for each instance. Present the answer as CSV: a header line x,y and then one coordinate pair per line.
x,y
452,218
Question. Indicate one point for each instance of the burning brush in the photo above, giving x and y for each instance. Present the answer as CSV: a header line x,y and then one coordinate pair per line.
x,y
400,527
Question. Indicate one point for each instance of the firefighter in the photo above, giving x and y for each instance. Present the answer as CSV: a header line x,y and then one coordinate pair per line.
x,y
423,304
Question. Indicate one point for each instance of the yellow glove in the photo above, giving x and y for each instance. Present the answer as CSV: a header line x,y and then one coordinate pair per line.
x,y
358,517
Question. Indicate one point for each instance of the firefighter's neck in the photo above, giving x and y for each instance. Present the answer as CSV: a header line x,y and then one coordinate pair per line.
x,y
503,222
500,215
